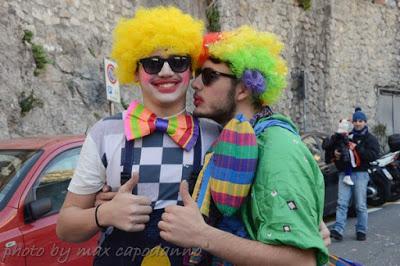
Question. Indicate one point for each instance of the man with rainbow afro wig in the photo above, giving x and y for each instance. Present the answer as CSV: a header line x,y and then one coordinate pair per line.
x,y
144,153
273,216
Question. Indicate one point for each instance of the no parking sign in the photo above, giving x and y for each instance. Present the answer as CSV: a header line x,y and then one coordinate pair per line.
x,y
112,84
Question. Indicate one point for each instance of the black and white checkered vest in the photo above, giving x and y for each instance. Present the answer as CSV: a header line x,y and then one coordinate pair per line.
x,y
162,165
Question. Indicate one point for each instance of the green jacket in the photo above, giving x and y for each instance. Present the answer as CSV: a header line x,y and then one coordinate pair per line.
x,y
286,202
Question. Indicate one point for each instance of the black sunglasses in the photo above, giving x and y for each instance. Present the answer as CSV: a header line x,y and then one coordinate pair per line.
x,y
209,75
153,65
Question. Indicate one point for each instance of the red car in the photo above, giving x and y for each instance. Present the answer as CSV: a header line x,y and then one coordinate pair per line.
x,y
34,176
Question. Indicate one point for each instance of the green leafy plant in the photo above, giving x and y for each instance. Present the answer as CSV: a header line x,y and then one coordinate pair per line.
x,y
212,15
39,54
305,4
97,116
91,51
28,35
29,102
40,57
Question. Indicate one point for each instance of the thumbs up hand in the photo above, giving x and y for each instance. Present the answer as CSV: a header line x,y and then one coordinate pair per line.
x,y
183,225
126,211
185,195
104,195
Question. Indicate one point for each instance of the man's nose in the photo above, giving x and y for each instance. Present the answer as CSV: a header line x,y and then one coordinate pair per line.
x,y
196,83
166,70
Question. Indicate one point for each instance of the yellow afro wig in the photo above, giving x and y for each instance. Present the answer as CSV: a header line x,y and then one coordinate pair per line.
x,y
247,49
153,29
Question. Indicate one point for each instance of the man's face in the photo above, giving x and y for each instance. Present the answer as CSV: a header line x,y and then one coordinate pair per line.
x,y
215,100
161,85
359,124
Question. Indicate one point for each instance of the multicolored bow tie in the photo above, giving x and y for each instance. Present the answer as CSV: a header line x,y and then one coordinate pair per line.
x,y
139,122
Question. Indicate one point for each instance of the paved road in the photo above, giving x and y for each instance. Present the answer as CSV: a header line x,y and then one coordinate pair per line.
x,y
382,247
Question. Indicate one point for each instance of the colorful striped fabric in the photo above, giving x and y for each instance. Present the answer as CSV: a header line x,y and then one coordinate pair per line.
x,y
226,178
140,122
338,261
229,169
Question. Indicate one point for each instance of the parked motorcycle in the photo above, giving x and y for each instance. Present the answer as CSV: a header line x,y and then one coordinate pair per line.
x,y
384,184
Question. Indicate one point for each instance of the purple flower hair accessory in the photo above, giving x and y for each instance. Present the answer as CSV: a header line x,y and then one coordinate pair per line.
x,y
255,81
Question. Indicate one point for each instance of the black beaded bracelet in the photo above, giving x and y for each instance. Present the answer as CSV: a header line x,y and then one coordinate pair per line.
x,y
102,228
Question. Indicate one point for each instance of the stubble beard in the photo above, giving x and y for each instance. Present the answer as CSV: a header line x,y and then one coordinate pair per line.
x,y
223,113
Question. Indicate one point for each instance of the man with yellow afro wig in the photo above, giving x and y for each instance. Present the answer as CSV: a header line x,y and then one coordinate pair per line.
x,y
273,217
163,29
144,153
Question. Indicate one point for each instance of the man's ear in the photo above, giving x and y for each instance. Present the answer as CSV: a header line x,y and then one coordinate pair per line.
x,y
242,93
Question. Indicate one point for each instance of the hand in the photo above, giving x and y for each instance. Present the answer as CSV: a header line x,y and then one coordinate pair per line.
x,y
183,225
337,155
126,211
325,234
104,195
352,145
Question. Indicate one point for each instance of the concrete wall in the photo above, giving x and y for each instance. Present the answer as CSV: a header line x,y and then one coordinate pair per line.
x,y
346,48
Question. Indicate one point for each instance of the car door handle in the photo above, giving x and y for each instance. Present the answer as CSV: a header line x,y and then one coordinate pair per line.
x,y
10,244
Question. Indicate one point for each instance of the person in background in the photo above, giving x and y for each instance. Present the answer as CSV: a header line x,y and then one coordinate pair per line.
x,y
340,142
366,148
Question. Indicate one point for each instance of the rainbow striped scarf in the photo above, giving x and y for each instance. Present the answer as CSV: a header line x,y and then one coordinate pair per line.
x,y
229,169
226,178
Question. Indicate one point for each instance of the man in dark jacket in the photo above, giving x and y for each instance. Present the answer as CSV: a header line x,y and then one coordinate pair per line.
x,y
366,150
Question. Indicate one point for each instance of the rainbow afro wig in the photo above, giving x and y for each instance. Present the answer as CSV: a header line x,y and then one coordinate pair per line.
x,y
254,57
154,29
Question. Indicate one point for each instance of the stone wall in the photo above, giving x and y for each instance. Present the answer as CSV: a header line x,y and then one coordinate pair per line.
x,y
364,56
345,48
67,97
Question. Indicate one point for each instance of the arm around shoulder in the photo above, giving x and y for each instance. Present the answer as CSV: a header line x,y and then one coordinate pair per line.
x,y
185,227
76,221
241,251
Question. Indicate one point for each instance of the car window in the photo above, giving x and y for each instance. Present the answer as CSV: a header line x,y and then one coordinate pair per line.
x,y
14,165
54,179
314,145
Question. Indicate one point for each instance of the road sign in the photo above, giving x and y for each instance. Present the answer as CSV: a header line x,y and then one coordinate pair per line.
x,y
112,84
